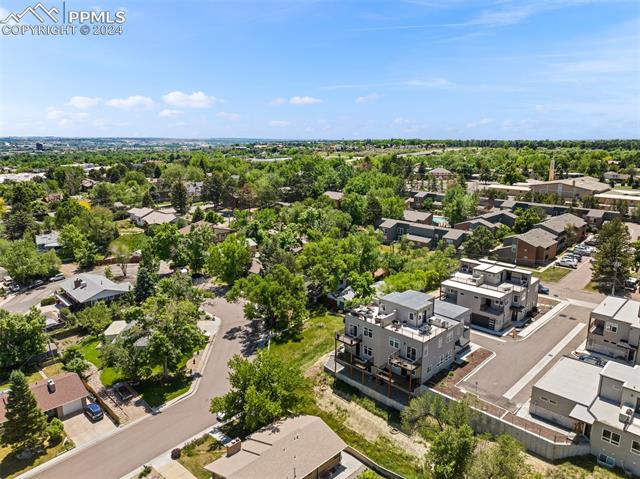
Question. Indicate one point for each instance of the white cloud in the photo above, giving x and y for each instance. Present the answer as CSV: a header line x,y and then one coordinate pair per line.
x,y
278,101
131,102
197,99
480,122
65,118
279,123
169,113
228,116
84,102
304,100
368,98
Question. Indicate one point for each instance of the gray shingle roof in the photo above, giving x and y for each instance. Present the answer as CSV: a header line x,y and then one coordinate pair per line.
x,y
86,287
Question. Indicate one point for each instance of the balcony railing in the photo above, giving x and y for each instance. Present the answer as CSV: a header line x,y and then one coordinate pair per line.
x,y
492,310
348,340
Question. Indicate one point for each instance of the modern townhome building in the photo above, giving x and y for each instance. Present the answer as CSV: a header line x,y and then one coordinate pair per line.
x,y
298,447
497,294
86,289
414,216
400,342
602,404
614,329
421,234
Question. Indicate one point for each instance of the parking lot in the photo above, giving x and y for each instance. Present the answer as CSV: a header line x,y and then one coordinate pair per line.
x,y
82,431
506,379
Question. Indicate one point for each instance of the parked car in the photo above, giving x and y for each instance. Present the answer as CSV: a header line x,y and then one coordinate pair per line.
x,y
631,284
57,277
220,416
7,280
94,411
14,287
568,263
542,289
573,257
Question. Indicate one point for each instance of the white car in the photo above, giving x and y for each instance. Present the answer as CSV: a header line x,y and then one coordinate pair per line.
x,y
568,263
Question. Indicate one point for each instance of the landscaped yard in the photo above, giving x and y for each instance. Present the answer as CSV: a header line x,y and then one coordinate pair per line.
x,y
53,369
32,376
11,466
316,339
553,274
155,391
584,467
203,451
133,241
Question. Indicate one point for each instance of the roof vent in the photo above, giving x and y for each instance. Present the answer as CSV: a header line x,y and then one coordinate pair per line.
x,y
51,386
233,446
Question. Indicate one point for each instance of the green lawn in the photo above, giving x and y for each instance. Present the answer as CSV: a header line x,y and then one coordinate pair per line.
x,y
201,452
133,242
11,466
584,467
553,274
316,339
53,369
91,352
32,376
157,391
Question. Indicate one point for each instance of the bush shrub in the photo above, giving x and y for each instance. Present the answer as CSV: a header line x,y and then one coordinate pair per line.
x,y
48,301
55,431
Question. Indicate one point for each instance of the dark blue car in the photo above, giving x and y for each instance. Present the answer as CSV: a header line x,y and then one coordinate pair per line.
x,y
94,411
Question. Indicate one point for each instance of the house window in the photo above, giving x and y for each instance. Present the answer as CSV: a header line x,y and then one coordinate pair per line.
x,y
606,460
515,299
411,353
612,328
394,343
611,437
635,447
382,307
411,316
368,332
353,330
450,336
366,350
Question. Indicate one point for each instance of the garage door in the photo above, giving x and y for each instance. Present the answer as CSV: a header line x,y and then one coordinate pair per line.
x,y
72,407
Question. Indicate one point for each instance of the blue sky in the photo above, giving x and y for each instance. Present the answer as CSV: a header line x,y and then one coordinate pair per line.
x,y
332,69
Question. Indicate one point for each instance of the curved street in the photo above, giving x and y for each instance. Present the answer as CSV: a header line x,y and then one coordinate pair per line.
x,y
137,444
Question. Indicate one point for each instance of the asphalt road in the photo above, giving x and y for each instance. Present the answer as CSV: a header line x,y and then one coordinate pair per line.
x,y
516,359
139,443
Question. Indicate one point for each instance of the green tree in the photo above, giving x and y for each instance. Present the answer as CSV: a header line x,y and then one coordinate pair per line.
x,y
21,337
55,431
147,200
457,205
25,424
613,259
165,240
145,284
480,243
527,219
121,254
372,211
278,298
512,175
23,262
262,390
451,453
74,360
96,318
196,243
71,240
229,260
503,460
198,215
180,198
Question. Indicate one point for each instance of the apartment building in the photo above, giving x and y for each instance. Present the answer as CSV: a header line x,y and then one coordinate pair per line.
x,y
421,234
498,294
602,404
400,341
614,329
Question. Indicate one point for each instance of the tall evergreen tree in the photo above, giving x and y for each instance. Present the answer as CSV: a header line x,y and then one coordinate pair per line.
x,y
179,198
145,284
614,260
25,423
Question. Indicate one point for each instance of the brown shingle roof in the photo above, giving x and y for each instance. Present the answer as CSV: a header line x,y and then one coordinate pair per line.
x,y
294,447
69,388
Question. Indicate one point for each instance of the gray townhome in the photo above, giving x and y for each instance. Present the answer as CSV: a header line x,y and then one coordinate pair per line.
x,y
498,294
614,329
421,234
602,405
399,342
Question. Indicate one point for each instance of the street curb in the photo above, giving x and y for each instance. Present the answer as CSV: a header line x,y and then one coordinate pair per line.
x,y
529,330
76,450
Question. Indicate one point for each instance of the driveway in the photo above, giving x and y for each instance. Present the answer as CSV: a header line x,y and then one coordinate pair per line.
x,y
507,378
82,431
140,442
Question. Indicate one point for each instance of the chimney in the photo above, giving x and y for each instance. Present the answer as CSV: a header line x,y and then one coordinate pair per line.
x,y
77,283
233,446
51,386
